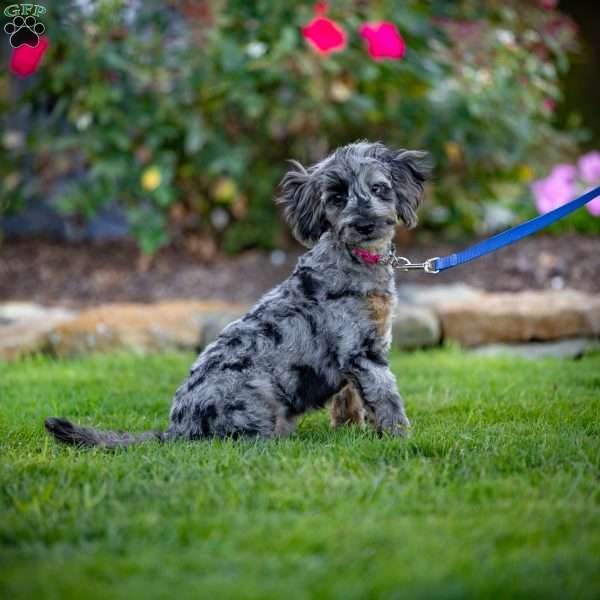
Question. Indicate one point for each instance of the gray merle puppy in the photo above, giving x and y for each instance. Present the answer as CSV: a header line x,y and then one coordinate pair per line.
x,y
324,333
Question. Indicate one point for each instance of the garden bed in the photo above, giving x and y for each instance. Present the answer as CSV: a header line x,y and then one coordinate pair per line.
x,y
83,275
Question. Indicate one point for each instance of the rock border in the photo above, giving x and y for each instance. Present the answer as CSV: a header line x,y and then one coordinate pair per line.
x,y
425,317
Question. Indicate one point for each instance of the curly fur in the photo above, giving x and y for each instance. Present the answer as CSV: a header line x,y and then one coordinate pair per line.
x,y
322,334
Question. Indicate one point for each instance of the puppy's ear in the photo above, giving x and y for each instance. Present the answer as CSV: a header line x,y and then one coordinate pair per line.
x,y
410,169
301,197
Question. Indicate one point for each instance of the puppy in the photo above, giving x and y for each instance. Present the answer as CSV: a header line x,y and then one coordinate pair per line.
x,y
324,332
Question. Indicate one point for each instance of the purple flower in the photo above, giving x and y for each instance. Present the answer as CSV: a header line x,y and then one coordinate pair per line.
x,y
589,167
559,187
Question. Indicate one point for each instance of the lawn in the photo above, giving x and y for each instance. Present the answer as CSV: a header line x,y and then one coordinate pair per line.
x,y
496,494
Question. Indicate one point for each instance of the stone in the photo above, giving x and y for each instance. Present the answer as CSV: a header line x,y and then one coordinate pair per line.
x,y
571,348
24,328
139,328
21,311
214,323
430,295
520,317
415,327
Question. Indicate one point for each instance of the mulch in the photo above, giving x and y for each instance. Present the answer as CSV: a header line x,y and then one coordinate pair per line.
x,y
76,275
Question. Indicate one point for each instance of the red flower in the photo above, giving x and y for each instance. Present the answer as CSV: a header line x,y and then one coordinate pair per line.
x,y
383,40
25,60
323,34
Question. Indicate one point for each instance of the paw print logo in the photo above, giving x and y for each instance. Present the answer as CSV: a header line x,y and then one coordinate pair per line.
x,y
24,31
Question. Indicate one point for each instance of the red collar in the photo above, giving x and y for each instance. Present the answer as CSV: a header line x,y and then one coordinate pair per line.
x,y
366,256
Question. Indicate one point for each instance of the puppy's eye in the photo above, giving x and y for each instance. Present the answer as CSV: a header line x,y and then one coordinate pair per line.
x,y
379,188
338,199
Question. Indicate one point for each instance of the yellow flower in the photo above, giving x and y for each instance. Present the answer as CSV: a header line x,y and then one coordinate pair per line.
x,y
454,152
151,179
525,173
225,190
339,91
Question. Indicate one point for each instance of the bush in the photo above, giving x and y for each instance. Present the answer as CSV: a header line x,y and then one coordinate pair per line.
x,y
185,112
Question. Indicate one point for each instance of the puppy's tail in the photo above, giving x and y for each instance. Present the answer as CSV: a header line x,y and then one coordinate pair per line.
x,y
86,437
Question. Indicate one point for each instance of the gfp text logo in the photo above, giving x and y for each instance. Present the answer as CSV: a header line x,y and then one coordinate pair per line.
x,y
24,28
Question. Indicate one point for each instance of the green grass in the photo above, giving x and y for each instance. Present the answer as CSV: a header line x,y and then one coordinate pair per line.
x,y
496,494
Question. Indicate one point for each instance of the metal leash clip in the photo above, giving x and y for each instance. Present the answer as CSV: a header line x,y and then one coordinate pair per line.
x,y
403,264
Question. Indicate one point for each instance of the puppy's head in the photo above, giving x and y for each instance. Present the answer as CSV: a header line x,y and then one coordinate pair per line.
x,y
360,193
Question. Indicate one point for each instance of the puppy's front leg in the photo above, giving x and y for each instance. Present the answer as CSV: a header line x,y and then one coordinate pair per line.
x,y
377,385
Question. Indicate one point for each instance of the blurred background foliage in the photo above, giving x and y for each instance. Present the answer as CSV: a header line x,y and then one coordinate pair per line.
x,y
184,113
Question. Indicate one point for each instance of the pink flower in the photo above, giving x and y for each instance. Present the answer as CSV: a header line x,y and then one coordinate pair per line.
x,y
323,34
594,207
549,105
383,40
25,59
559,187
589,167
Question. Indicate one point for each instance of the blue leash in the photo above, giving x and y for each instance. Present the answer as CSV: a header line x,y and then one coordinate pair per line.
x,y
510,236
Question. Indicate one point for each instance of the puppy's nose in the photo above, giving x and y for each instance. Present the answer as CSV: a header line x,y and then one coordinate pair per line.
x,y
364,228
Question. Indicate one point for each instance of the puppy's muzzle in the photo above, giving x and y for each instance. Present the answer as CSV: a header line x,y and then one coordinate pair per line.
x,y
368,227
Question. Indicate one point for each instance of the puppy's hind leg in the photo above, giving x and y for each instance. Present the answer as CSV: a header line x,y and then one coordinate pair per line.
x,y
285,424
263,410
347,407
